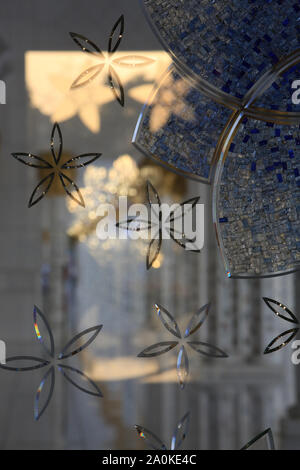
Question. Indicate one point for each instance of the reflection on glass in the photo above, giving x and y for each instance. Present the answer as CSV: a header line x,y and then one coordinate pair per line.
x,y
48,75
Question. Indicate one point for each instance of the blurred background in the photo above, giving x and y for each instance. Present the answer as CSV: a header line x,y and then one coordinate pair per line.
x,y
51,257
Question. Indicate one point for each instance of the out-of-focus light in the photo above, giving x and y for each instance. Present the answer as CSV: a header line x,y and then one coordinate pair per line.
x,y
50,74
158,262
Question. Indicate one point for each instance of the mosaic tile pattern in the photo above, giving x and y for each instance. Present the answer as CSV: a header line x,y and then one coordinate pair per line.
x,y
279,95
181,127
259,199
230,43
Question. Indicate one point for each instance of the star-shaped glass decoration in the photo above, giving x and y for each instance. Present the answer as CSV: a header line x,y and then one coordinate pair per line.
x,y
263,441
115,38
179,435
156,224
285,313
56,169
53,362
200,347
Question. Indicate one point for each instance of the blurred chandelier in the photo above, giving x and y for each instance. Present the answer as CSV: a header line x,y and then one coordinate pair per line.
x,y
223,115
123,178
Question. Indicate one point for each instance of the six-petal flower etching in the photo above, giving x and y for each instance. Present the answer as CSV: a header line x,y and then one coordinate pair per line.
x,y
262,441
200,347
169,104
53,362
285,313
179,435
115,38
55,169
156,224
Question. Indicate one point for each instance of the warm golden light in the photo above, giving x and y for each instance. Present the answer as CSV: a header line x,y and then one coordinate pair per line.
x,y
170,100
121,368
50,74
158,262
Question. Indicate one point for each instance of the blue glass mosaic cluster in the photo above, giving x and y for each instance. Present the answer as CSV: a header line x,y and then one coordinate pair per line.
x,y
279,95
259,199
230,43
187,138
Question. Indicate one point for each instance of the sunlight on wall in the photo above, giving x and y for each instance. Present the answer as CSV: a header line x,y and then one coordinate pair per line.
x,y
50,74
152,370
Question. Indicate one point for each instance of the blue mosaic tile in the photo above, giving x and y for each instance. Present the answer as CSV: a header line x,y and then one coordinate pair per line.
x,y
185,133
279,95
260,198
228,41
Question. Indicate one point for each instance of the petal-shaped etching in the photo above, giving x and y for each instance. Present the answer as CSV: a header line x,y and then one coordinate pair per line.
x,y
66,352
49,379
183,241
281,311
153,250
41,189
29,359
81,160
93,387
116,35
31,160
290,334
168,320
152,195
86,77
158,349
184,208
154,201
152,440
71,189
263,441
180,432
207,349
51,349
86,45
116,85
182,367
134,224
133,61
197,320
56,143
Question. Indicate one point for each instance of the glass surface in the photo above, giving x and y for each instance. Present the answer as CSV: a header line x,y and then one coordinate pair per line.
x,y
51,258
